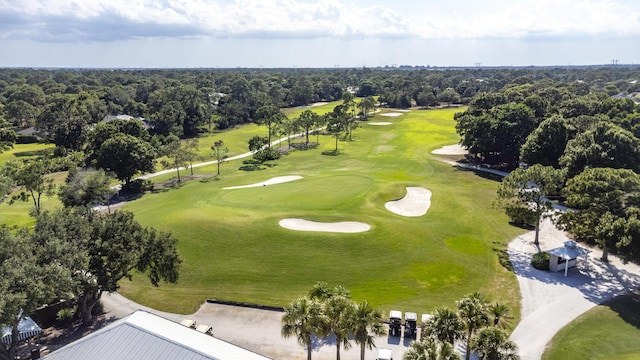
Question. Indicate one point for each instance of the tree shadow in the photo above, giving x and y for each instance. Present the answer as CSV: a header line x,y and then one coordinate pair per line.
x,y
331,152
596,280
627,307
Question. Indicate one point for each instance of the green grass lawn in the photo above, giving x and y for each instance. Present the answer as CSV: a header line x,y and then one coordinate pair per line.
x,y
608,331
234,249
22,151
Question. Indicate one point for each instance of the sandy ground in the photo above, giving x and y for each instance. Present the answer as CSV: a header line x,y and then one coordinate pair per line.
x,y
380,123
272,181
550,300
320,103
451,150
391,114
415,203
339,227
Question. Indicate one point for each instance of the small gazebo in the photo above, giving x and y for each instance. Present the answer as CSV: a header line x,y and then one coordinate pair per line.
x,y
562,258
27,328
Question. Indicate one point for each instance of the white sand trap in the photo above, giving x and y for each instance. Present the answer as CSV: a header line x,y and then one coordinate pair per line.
x,y
275,180
403,110
380,123
339,227
391,114
451,150
320,103
415,203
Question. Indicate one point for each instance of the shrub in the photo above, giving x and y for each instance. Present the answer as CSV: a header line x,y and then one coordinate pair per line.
x,y
540,261
66,315
138,186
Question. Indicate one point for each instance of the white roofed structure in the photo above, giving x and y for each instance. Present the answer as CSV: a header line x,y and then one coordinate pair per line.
x,y
144,336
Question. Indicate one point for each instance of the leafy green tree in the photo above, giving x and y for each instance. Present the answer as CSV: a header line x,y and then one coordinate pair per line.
x,y
271,117
190,148
365,105
85,188
530,189
491,343
303,318
32,177
307,120
546,143
176,157
105,250
337,123
472,310
219,152
26,281
444,325
430,349
606,145
607,203
449,96
8,137
169,119
125,156
367,322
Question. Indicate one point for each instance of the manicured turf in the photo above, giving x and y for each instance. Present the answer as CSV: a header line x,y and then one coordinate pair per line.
x,y
234,249
22,151
609,331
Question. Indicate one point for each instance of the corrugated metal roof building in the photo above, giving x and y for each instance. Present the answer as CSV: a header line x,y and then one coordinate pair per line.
x,y
143,336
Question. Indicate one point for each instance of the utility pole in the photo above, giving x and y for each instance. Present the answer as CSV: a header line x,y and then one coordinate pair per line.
x,y
614,62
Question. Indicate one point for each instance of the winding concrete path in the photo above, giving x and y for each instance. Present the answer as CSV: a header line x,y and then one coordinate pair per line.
x,y
550,300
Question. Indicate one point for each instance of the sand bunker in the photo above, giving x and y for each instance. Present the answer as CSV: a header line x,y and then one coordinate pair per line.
x,y
415,203
319,103
380,123
275,180
451,150
391,114
339,227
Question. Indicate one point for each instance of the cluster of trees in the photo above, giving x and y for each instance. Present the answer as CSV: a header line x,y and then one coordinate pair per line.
x,y
561,141
329,311
475,321
77,254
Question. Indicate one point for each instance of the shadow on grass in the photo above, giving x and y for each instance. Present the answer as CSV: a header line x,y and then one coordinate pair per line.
x,y
503,256
255,165
32,153
331,152
627,307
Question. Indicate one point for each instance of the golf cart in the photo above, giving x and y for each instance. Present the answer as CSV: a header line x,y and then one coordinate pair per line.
x,y
384,354
395,323
410,325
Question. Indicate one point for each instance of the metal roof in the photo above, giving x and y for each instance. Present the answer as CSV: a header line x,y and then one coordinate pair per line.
x,y
569,251
143,336
26,327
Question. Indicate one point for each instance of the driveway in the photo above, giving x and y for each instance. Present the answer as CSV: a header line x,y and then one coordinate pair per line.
x,y
550,300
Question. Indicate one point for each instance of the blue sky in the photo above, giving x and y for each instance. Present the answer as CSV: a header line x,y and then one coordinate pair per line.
x,y
322,33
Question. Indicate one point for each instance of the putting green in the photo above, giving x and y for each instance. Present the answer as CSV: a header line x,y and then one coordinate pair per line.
x,y
288,195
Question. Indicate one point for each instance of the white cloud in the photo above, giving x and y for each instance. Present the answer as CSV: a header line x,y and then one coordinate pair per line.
x,y
102,20
541,18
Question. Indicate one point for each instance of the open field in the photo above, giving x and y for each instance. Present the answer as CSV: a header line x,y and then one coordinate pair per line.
x,y
234,249
608,331
22,151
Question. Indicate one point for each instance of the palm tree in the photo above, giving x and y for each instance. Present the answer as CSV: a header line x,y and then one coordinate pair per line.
x,y
338,311
444,326
492,343
500,314
367,322
431,349
303,319
472,310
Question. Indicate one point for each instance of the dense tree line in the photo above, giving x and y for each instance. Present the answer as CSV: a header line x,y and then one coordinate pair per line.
x,y
567,141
